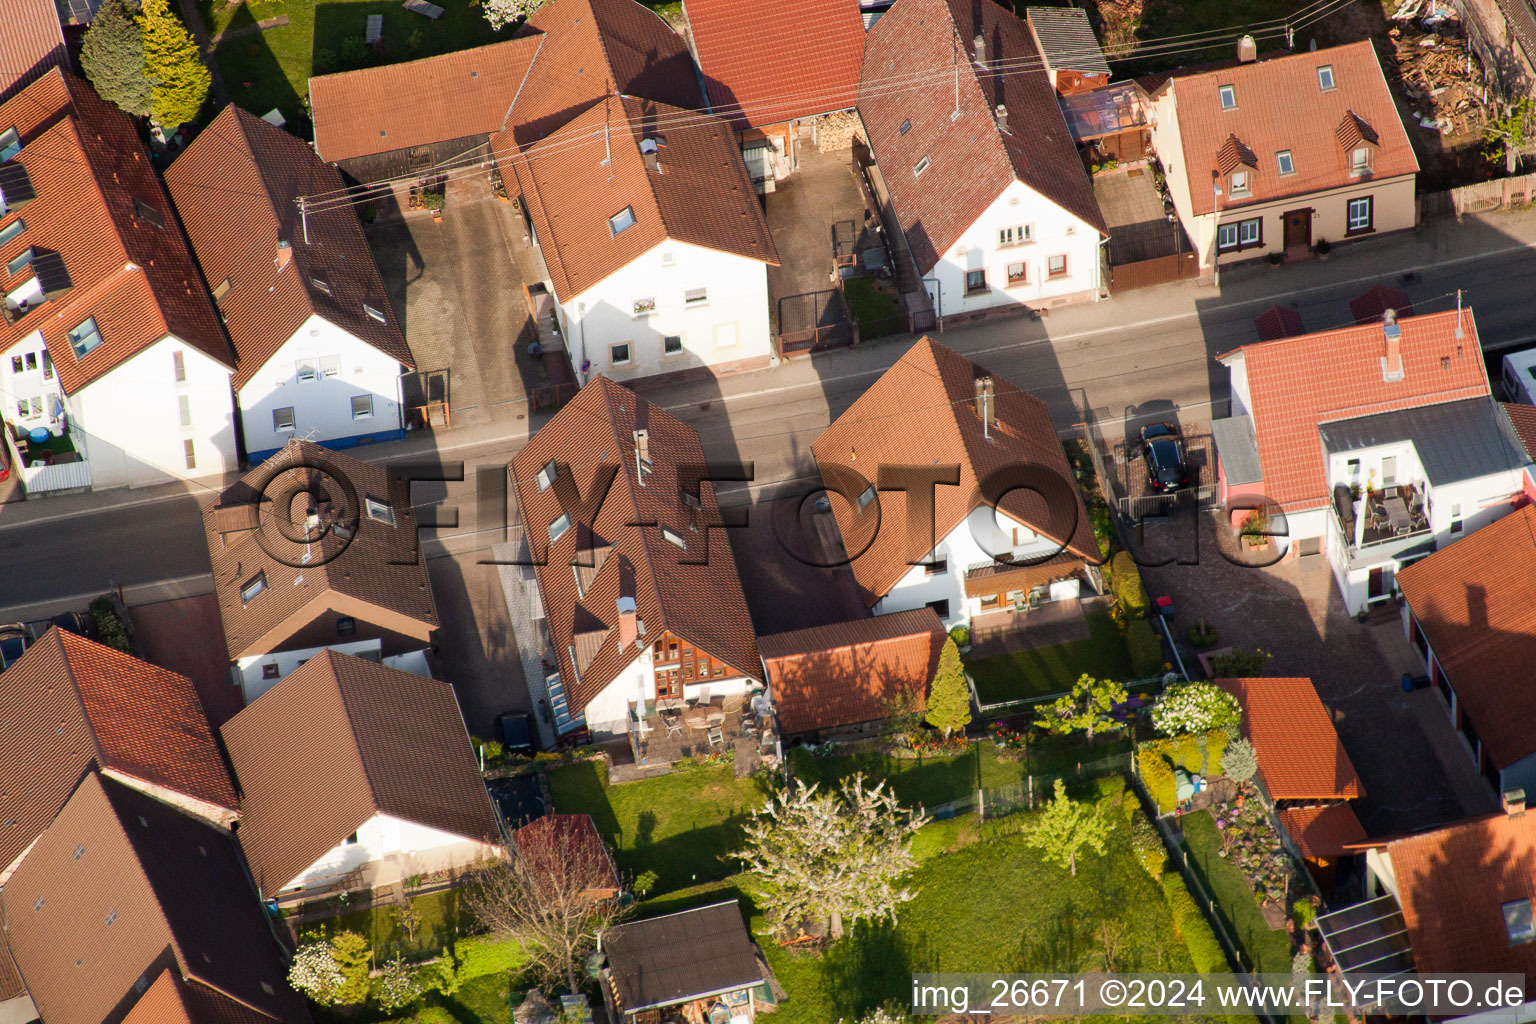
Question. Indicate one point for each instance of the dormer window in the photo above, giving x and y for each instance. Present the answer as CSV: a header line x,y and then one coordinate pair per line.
x,y
548,473
674,538
1283,163
1325,78
19,263
1228,96
558,528
11,230
10,144
380,511
1237,182
867,497
1360,160
253,586
622,221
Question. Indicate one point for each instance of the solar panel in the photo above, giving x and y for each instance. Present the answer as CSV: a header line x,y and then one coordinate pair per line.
x,y
1370,937
15,185
51,273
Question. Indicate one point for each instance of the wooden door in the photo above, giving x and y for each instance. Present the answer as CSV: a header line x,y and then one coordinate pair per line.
x,y
668,685
1298,228
1377,584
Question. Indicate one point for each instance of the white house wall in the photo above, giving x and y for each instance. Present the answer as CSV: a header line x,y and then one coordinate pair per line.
x,y
29,385
128,422
729,327
1054,232
607,714
417,849
322,408
1237,372
252,669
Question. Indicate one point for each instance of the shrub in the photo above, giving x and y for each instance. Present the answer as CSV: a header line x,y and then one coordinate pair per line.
x,y
434,1015
1104,531
1203,635
110,628
1240,761
1157,776
1191,926
1304,912
324,60
1147,844
1239,663
354,52
1215,749
1191,756
1125,577
1194,707
1145,648
960,635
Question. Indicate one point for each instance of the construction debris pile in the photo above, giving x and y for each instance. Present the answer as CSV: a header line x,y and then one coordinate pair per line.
x,y
837,131
1439,72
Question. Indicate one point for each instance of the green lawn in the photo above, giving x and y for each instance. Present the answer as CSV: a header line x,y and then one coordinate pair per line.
x,y
1269,949
877,312
442,919
930,780
1019,675
681,826
490,967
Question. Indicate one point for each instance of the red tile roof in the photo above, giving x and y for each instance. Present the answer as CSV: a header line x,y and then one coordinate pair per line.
x,y
92,178
1523,419
1300,755
971,161
31,42
1369,307
700,194
396,106
1475,600
694,593
1452,883
1269,92
1296,384
767,63
921,412
1323,831
70,705
170,1000
558,842
235,188
847,673
1278,322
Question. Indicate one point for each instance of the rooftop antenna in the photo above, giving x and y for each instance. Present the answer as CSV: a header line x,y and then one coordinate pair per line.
x,y
1459,332
954,46
304,218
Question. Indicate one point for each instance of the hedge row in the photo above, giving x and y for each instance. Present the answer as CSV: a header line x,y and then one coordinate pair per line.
x,y
1191,926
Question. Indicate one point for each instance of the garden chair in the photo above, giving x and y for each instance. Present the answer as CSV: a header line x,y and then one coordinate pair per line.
x,y
674,724
717,736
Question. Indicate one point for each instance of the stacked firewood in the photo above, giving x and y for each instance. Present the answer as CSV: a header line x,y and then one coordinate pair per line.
x,y
837,131
1439,74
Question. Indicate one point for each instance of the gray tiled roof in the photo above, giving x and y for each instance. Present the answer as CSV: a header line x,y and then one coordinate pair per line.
x,y
1455,440
662,961
1067,39
1238,448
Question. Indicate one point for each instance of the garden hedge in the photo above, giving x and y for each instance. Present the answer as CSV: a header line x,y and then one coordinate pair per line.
x,y
1145,647
1157,776
1125,577
1193,928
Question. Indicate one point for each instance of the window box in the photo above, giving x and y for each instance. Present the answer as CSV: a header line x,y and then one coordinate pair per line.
x,y
1018,274
644,307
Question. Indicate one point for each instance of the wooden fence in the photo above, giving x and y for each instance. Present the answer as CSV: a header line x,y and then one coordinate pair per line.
x,y
1482,197
1178,266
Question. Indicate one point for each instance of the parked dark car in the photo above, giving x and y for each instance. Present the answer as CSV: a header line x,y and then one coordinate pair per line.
x,y
516,732
1163,449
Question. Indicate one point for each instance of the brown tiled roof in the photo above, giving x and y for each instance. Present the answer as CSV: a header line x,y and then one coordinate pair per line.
x,y
1298,383
436,99
921,412
1523,419
170,1000
970,160
555,841
1300,755
701,193
817,47
121,887
376,576
339,740
1233,154
1370,307
235,188
1353,130
92,177
847,673
694,594
1278,322
1269,94
1323,831
1004,577
1475,600
1452,884
31,42
70,705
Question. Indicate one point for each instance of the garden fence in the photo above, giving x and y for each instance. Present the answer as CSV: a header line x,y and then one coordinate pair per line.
x,y
1026,794
1009,708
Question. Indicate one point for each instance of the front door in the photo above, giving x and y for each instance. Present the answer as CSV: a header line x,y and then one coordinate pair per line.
x,y
1298,228
1376,587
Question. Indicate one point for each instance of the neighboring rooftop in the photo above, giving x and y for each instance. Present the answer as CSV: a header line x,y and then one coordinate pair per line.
x,y
31,43
1370,307
568,842
817,47
1278,322
1323,831
1475,601
1066,40
338,741
1239,450
1455,441
361,559
1300,755
1522,419
665,960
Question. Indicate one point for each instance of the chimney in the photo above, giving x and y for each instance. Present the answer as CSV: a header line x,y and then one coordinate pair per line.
x,y
642,455
980,44
984,405
648,153
1002,117
628,630
1514,802
284,253
1247,50
1392,362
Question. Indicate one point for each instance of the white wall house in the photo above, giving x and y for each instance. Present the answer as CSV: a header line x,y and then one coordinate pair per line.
x,y
609,714
257,674
388,849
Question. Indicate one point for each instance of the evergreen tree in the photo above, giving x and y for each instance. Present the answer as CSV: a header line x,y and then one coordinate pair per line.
x,y
1064,828
949,701
1086,709
112,57
176,71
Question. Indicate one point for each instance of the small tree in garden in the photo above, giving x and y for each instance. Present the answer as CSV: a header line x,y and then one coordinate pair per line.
x,y
396,986
949,701
1064,828
176,72
1086,709
112,57
1195,707
1240,762
1239,663
501,13
831,857
315,973
354,958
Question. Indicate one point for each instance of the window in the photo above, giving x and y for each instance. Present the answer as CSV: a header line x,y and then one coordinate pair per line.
x,y
644,306
668,259
282,419
1360,215
1389,471
695,296
346,626
179,366
936,568
866,497
1239,183
920,167
557,528
362,407
148,214
672,345
618,355
190,450
1226,236
674,538
380,510
221,289
940,608
12,229
1228,97
906,126
15,364
1016,235
975,281
1456,526
548,473
85,338
1360,161
351,840
19,263
1056,266
10,144
1249,231
330,366
622,221
375,313
1283,163
1518,922
306,370
253,586
270,670
343,531
1018,274
1325,77
321,285
184,410
47,366
31,361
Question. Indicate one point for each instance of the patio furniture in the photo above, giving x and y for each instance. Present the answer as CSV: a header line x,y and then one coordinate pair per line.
x,y
716,736
674,724
1397,514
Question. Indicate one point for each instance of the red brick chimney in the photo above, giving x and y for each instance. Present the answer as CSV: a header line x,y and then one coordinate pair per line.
x,y
1392,361
1514,802
628,630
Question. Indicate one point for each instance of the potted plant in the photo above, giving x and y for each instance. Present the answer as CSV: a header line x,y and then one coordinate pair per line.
x,y
1203,636
1275,259
433,201
1322,248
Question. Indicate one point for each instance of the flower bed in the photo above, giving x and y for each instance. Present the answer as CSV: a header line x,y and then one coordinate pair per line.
x,y
1250,843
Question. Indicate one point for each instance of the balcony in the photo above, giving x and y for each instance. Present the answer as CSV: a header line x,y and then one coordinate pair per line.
x,y
1379,519
696,728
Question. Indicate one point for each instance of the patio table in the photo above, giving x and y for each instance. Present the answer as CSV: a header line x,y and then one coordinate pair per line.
x,y
1397,513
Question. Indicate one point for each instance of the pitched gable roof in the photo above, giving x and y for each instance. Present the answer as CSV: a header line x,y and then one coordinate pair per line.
x,y
96,195
375,573
1295,384
31,42
1268,94
920,412
817,48
1300,755
170,1000
339,740
396,106
971,161
670,959
70,705
557,843
1322,831
235,188
1066,40
122,886
694,593
1475,601
1523,419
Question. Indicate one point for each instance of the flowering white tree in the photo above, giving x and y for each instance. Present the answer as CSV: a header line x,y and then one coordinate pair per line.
x,y
832,856
396,985
1196,707
315,973
501,13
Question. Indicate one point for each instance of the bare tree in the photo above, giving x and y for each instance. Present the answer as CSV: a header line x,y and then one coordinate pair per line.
x,y
555,895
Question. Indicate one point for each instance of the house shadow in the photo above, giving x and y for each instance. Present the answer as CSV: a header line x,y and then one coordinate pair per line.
x,y
253,75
